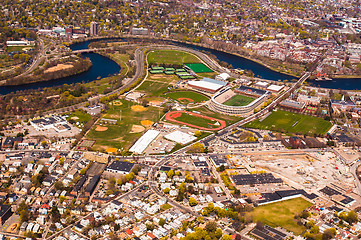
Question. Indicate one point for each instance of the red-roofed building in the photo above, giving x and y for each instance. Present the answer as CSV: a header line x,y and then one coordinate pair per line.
x,y
129,232
151,235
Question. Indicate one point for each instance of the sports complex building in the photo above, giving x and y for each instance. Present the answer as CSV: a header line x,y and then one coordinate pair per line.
x,y
241,101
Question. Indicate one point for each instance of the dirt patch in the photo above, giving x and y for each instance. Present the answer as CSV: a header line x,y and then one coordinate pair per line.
x,y
155,103
101,128
74,118
111,150
146,123
138,108
187,99
137,129
58,68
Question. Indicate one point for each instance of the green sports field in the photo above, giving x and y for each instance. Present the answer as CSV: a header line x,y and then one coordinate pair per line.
x,y
284,121
239,100
120,135
157,57
281,214
196,97
198,67
154,88
195,120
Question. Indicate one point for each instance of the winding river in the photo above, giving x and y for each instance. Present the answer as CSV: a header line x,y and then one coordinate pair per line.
x,y
103,67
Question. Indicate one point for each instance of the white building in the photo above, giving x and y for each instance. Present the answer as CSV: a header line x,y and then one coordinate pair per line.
x,y
143,142
223,77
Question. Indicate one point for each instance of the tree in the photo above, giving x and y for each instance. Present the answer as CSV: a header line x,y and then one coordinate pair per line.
x,y
83,171
218,233
119,181
200,219
166,190
170,173
305,214
192,202
23,211
352,217
315,229
251,139
116,227
44,143
150,226
211,226
59,185
197,133
329,233
61,198
145,102
61,160
162,221
221,168
55,214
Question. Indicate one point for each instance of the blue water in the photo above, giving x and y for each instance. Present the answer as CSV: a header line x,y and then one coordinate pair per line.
x,y
339,83
102,67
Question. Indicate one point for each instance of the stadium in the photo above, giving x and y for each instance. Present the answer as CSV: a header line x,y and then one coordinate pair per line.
x,y
242,101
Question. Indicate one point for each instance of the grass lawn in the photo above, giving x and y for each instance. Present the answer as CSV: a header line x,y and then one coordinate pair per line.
x,y
166,206
293,123
207,75
198,121
151,88
281,214
171,57
119,136
239,100
197,97
17,48
83,116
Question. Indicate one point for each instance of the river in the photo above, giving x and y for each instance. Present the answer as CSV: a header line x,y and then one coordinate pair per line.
x,y
103,67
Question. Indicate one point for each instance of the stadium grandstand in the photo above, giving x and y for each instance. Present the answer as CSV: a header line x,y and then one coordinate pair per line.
x,y
250,91
218,101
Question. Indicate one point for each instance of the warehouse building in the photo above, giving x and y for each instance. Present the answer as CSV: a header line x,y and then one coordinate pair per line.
x,y
207,85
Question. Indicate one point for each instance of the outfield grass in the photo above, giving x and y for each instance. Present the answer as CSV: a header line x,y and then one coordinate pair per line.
x,y
154,88
119,136
292,123
196,97
228,118
197,121
171,57
281,214
239,100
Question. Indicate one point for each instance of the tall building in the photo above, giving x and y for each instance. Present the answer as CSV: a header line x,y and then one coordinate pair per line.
x,y
93,28
139,31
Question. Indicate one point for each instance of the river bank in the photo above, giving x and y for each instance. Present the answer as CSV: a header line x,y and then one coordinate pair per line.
x,y
244,62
